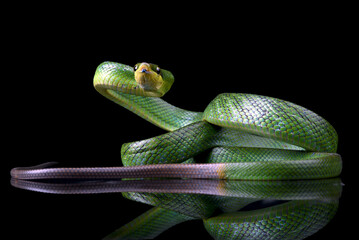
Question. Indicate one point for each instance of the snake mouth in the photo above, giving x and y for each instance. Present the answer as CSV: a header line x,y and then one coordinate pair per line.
x,y
144,68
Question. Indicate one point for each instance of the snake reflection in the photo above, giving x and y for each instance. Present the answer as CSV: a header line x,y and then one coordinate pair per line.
x,y
228,209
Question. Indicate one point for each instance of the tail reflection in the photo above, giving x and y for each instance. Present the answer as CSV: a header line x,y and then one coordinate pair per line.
x,y
229,209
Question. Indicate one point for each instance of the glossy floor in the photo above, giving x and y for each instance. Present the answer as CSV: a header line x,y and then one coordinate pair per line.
x,y
217,209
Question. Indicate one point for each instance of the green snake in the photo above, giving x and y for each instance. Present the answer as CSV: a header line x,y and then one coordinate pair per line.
x,y
251,137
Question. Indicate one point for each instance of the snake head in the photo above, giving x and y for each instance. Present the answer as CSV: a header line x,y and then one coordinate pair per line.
x,y
152,79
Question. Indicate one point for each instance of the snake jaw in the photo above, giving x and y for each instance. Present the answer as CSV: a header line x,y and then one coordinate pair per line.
x,y
147,79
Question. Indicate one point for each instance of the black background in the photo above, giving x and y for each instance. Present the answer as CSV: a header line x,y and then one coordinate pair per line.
x,y
51,111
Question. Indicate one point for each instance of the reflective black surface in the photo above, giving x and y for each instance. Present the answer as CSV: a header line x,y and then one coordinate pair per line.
x,y
228,209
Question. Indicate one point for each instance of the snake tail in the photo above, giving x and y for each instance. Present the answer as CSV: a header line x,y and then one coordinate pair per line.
x,y
301,169
145,171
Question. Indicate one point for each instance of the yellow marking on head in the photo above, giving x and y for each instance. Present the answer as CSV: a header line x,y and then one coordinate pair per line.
x,y
147,78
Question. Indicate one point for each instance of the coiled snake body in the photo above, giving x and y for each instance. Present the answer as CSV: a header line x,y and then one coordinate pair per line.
x,y
252,137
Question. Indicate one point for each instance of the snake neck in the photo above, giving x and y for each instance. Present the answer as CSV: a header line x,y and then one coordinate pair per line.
x,y
156,111
113,79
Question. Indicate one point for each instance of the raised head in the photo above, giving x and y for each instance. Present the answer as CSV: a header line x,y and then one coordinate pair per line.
x,y
144,79
151,78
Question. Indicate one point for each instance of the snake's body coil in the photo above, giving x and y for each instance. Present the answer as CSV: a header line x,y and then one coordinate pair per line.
x,y
252,137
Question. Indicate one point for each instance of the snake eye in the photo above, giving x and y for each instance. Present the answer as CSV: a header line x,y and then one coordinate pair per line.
x,y
158,70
